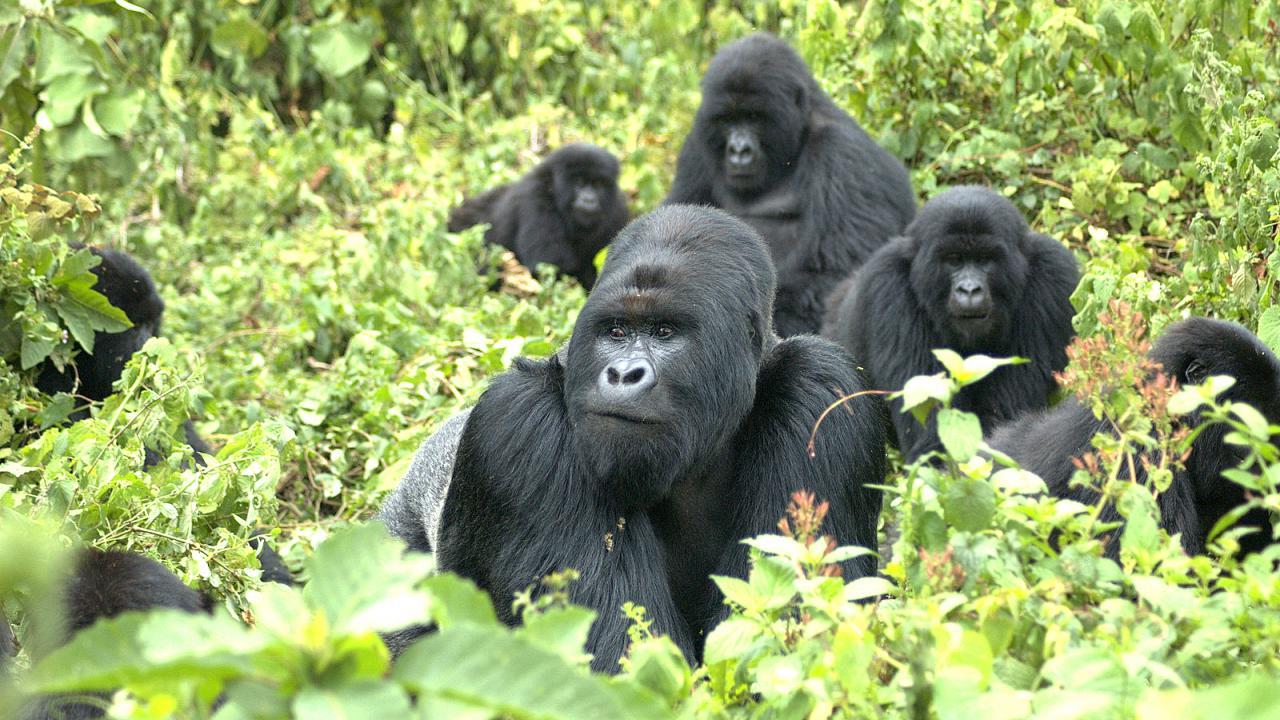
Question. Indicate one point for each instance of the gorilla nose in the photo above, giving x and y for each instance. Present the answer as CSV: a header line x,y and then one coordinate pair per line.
x,y
627,378
741,152
971,297
587,201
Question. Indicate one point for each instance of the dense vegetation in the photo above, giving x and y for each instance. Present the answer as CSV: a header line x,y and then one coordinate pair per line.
x,y
284,170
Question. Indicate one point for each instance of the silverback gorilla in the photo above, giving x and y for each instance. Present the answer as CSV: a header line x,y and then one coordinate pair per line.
x,y
1189,352
130,288
769,146
970,276
563,212
674,425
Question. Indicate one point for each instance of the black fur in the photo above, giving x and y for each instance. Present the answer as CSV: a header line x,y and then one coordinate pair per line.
x,y
898,308
103,585
1190,351
675,425
130,288
822,193
536,218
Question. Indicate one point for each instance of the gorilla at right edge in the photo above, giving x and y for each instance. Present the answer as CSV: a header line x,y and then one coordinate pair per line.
x,y
769,146
1189,352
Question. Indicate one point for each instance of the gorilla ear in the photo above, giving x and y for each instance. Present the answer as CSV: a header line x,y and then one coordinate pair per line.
x,y
1195,373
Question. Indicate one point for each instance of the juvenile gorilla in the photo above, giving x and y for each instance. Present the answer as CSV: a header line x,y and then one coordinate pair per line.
x,y
1189,352
769,146
563,212
130,288
970,276
674,425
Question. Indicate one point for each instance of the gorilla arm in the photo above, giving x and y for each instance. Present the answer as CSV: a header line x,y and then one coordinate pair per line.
x,y
800,378
892,333
521,506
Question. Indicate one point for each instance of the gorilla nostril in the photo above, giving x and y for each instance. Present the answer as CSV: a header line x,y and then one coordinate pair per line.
x,y
633,376
612,376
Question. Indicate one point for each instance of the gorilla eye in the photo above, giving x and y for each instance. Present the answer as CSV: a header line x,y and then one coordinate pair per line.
x,y
617,332
664,331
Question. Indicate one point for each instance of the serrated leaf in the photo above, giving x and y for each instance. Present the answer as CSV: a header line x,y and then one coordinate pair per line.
x,y
738,592
776,545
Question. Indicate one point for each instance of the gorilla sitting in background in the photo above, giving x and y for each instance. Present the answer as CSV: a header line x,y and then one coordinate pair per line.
x,y
563,212
1189,352
769,146
673,426
970,276
90,376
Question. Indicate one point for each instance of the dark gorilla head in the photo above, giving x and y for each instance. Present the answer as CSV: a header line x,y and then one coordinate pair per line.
x,y
584,178
755,108
106,584
969,269
130,288
1195,349
662,365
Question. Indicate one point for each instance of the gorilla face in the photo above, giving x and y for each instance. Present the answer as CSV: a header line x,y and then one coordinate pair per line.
x,y
1195,349
129,287
754,113
583,181
662,363
969,269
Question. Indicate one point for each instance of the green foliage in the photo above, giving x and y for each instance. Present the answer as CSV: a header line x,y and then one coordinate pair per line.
x,y
284,169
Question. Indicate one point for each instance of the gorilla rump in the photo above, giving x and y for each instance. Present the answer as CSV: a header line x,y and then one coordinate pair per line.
x,y
1190,351
769,146
563,212
970,276
674,425
130,288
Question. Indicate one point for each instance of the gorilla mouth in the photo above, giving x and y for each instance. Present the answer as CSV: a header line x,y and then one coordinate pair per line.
x,y
971,314
625,417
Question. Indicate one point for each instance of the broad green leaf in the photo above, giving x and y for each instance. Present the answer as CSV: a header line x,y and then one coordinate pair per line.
x,y
158,646
456,599
1269,328
368,699
1141,528
923,388
339,49
363,581
490,667
59,57
773,582
730,640
960,432
969,504
658,666
239,37
118,112
739,593
562,630
866,588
